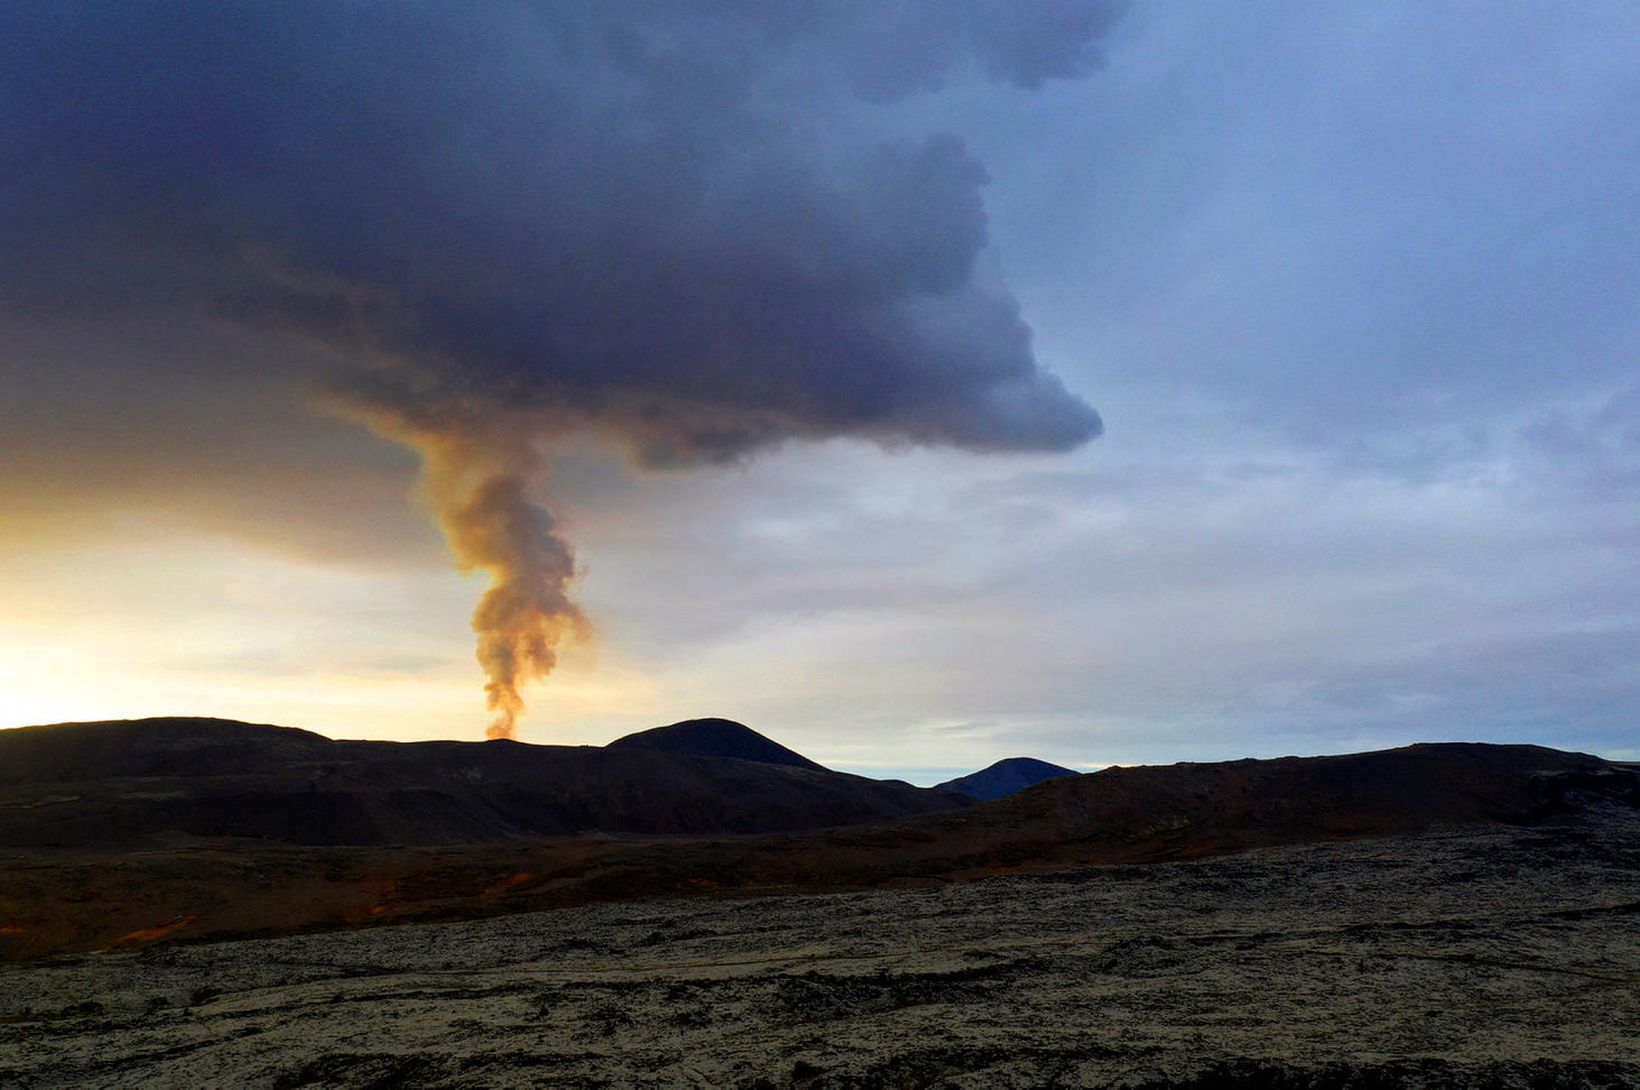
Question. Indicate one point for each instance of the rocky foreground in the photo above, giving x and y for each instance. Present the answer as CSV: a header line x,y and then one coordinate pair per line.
x,y
1478,957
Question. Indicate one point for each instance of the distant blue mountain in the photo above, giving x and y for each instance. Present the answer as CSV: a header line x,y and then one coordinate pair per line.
x,y
1006,777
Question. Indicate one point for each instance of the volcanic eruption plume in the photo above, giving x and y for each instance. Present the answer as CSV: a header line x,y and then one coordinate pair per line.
x,y
474,481
679,228
492,526
526,612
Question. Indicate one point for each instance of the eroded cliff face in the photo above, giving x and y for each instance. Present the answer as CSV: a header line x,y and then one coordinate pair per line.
x,y
1461,957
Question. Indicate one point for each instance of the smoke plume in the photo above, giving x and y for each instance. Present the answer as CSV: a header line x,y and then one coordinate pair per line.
x,y
475,485
678,226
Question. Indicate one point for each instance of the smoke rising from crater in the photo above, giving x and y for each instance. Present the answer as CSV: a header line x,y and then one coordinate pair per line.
x,y
475,485
674,225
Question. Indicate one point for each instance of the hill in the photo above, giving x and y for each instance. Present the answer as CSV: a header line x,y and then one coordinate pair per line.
x,y
1007,777
715,738
54,901
1189,810
94,784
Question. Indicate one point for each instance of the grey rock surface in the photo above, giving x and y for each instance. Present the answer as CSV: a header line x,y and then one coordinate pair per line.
x,y
1458,958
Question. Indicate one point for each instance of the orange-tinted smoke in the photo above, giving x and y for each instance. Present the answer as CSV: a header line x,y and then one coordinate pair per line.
x,y
475,482
526,613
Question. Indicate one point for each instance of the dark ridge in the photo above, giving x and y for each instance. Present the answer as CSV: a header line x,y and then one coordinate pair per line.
x,y
164,746
100,784
1006,777
715,738
462,798
1191,810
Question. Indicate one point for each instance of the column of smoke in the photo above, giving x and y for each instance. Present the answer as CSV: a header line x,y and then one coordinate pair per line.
x,y
526,612
475,483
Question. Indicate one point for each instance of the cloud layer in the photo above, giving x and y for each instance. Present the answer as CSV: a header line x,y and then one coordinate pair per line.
x,y
1354,287
664,223
657,218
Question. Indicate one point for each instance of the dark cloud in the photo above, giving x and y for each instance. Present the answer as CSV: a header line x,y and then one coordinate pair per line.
x,y
662,221
656,218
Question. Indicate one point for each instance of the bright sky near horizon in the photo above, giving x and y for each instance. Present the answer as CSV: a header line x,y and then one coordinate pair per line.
x,y
741,295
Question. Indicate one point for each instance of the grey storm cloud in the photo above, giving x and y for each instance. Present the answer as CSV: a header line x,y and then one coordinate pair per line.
x,y
664,221
655,218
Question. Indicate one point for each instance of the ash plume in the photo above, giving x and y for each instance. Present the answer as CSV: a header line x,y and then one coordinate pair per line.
x,y
526,612
475,485
677,226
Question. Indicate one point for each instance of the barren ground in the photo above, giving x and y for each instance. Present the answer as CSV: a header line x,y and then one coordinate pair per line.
x,y
1496,957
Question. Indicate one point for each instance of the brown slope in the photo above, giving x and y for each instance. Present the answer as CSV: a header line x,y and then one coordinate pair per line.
x,y
95,784
57,901
1190,810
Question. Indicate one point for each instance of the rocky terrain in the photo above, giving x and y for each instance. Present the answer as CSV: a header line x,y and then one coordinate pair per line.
x,y
162,855
1462,956
199,903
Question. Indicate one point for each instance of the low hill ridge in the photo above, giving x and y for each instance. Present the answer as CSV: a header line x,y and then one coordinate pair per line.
x,y
189,889
97,784
159,746
1189,810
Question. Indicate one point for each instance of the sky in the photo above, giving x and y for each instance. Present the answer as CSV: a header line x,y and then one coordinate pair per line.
x,y
921,383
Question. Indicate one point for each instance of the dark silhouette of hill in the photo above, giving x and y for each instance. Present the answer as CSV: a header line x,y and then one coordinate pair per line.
x,y
91,784
1006,777
715,738
141,748
94,897
1189,810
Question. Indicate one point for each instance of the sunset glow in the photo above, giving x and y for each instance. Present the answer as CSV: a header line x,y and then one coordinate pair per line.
x,y
1150,388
